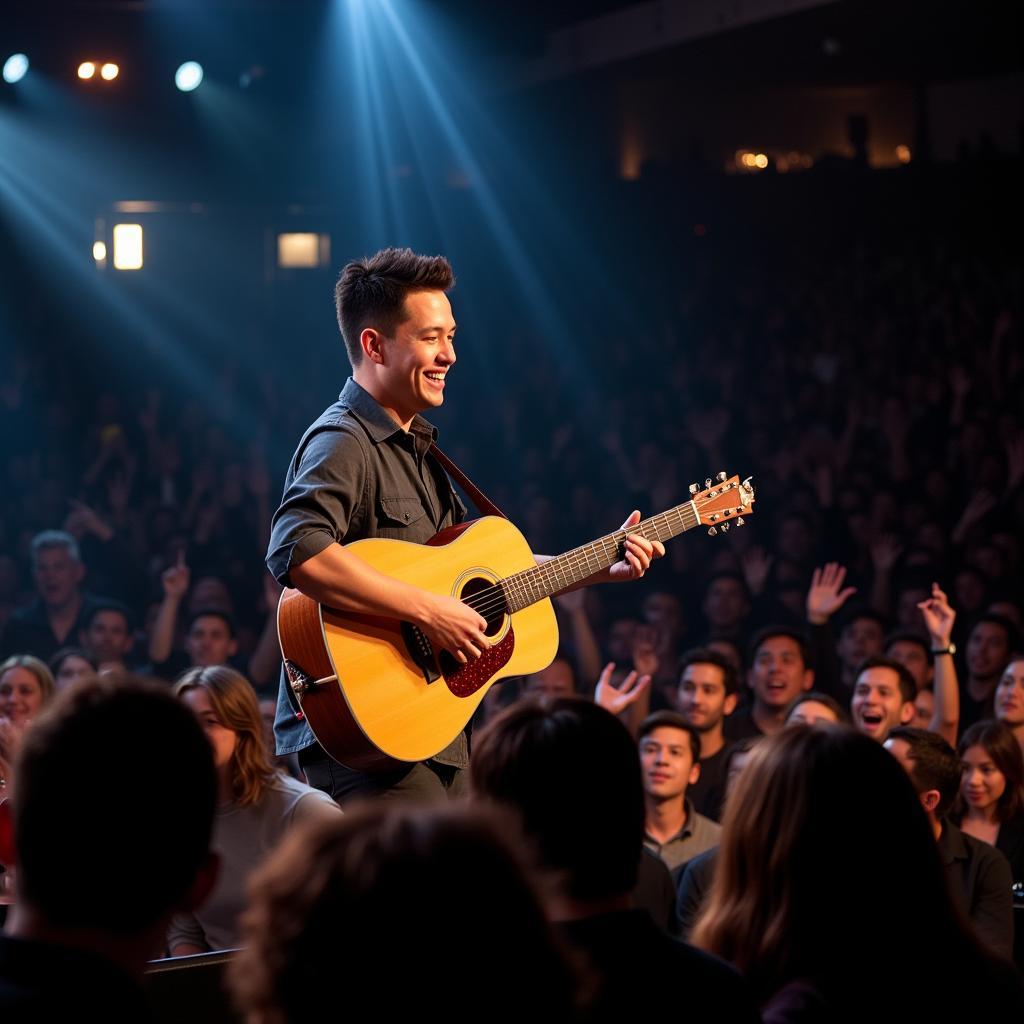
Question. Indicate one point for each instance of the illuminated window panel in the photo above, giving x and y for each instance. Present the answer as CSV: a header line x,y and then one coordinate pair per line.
x,y
303,249
127,246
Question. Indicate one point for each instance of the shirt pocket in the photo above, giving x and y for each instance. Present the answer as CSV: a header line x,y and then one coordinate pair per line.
x,y
402,519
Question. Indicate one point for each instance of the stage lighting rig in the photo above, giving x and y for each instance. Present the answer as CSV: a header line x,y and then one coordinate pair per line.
x,y
189,76
86,70
109,72
15,68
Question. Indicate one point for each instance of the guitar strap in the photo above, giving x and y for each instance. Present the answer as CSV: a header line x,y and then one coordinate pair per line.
x,y
482,502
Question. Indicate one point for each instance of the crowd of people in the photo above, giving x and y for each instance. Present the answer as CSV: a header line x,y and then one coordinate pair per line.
x,y
787,759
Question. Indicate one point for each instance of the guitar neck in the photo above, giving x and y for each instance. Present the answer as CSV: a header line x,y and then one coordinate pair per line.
x,y
566,570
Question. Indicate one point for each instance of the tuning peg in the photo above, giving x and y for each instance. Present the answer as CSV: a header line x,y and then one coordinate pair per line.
x,y
712,531
707,483
694,488
739,522
722,477
725,527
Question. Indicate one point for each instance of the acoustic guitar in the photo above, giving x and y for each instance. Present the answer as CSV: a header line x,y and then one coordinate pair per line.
x,y
373,690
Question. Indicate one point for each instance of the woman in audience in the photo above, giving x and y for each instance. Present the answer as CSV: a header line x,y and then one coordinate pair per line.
x,y
257,804
813,708
26,684
69,665
828,878
990,806
420,913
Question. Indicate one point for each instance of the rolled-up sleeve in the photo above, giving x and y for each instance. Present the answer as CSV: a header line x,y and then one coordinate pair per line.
x,y
322,495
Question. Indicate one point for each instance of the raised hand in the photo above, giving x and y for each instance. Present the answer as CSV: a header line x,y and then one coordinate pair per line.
x,y
826,594
885,552
176,579
616,700
756,564
638,553
939,616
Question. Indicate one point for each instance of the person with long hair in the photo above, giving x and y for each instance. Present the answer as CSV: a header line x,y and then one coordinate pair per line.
x,y
365,895
26,685
990,804
828,874
256,805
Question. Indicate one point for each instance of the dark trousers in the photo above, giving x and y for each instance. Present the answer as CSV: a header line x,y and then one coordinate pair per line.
x,y
423,782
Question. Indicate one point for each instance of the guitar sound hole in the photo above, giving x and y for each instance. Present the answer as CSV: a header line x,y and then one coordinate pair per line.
x,y
492,609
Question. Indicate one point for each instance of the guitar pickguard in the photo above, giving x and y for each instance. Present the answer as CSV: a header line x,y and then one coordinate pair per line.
x,y
465,680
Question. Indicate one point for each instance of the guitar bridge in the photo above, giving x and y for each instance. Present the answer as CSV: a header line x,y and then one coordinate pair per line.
x,y
421,650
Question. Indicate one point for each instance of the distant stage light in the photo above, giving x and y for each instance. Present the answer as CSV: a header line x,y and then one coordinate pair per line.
x,y
127,246
303,249
86,69
109,72
761,161
99,251
903,154
188,76
15,68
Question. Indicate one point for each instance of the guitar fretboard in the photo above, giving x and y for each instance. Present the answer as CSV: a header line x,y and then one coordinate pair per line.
x,y
530,585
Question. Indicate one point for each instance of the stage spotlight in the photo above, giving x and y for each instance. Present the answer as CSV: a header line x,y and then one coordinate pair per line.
x,y
86,69
188,76
761,161
15,68
303,249
99,251
109,72
127,246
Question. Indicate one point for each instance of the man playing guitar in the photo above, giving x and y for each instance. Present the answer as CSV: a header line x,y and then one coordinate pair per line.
x,y
363,469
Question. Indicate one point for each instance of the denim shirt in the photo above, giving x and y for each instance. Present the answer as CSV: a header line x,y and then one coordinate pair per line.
x,y
356,474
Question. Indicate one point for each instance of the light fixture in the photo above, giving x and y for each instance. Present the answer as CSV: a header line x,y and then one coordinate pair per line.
x,y
86,69
188,76
109,72
15,68
303,249
127,246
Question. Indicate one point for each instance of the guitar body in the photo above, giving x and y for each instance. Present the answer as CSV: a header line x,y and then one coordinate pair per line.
x,y
372,694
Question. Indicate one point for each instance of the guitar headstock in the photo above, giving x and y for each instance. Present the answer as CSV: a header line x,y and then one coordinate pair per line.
x,y
723,501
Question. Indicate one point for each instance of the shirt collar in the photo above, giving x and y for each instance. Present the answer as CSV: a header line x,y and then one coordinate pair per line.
x,y
379,425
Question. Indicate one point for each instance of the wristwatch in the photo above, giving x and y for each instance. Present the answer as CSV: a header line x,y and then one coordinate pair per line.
x,y
951,649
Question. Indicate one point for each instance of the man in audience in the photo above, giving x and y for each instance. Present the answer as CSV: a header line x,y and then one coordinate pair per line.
x,y
61,609
707,696
726,605
670,760
979,875
107,638
883,698
990,643
911,650
861,637
209,640
778,674
98,878
571,771
557,680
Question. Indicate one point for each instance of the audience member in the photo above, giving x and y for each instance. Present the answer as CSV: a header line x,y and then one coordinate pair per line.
x,y
571,771
107,636
707,696
883,698
813,708
825,810
990,644
26,684
778,674
97,879
670,758
1010,699
69,665
256,804
337,893
978,875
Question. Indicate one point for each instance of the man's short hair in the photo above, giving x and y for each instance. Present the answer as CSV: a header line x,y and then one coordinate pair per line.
x,y
908,636
49,539
216,613
122,859
571,770
1012,633
110,606
859,613
705,656
936,764
769,632
670,720
908,688
371,292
